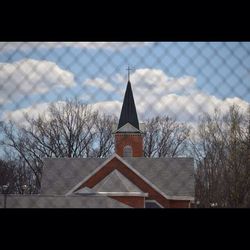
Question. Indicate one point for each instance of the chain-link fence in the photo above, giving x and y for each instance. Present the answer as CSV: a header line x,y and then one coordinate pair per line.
x,y
61,103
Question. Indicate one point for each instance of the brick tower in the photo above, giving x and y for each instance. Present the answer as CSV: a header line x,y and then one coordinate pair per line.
x,y
128,136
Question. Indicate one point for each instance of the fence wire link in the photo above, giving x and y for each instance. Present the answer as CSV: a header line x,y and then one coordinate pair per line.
x,y
61,101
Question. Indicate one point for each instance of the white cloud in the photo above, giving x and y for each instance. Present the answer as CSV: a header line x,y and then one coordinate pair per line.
x,y
28,76
34,111
156,93
191,107
185,108
152,84
158,81
18,116
99,83
2,100
109,107
154,90
27,46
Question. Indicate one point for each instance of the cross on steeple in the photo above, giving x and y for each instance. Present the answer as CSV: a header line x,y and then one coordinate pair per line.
x,y
129,69
128,113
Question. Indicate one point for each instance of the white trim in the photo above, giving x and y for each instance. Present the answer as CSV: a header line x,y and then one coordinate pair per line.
x,y
115,194
152,185
91,174
121,128
154,202
137,173
182,198
125,194
90,191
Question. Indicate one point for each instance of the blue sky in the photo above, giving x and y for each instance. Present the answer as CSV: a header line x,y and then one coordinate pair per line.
x,y
220,69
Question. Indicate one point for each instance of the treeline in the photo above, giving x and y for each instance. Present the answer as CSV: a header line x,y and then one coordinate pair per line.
x,y
65,130
220,146
73,129
222,152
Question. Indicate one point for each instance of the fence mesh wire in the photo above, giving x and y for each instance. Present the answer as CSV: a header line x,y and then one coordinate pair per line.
x,y
61,101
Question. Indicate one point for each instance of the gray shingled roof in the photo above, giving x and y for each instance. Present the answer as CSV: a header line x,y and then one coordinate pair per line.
x,y
46,201
173,176
62,174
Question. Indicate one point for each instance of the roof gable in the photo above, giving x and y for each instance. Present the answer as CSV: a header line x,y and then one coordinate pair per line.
x,y
174,177
99,174
116,182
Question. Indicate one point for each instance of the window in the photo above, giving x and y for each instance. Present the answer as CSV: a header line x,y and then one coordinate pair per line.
x,y
127,151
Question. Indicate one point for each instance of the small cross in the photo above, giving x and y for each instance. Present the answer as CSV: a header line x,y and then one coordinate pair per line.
x,y
129,69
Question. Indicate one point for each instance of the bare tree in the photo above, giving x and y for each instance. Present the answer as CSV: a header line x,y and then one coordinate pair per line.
x,y
72,129
165,137
222,155
65,132
104,140
69,129
7,175
15,174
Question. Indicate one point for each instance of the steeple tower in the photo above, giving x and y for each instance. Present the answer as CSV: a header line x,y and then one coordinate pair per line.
x,y
128,136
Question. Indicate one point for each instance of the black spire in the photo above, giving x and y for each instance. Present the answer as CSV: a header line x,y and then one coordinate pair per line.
x,y
128,113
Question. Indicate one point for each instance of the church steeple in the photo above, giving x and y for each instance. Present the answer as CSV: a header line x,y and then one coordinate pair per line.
x,y
128,136
128,113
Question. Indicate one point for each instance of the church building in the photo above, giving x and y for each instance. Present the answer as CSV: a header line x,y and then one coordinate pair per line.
x,y
126,179
127,176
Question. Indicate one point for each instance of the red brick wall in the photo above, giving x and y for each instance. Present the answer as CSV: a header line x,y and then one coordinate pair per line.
x,y
132,201
133,140
179,204
117,164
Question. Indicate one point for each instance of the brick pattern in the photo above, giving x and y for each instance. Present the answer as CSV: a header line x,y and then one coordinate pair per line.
x,y
133,140
179,204
132,201
134,178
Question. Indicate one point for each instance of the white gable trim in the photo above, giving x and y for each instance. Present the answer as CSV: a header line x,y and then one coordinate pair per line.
x,y
127,128
125,194
137,173
152,185
115,194
120,176
91,174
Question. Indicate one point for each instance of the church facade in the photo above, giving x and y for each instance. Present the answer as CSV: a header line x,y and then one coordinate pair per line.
x,y
126,179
